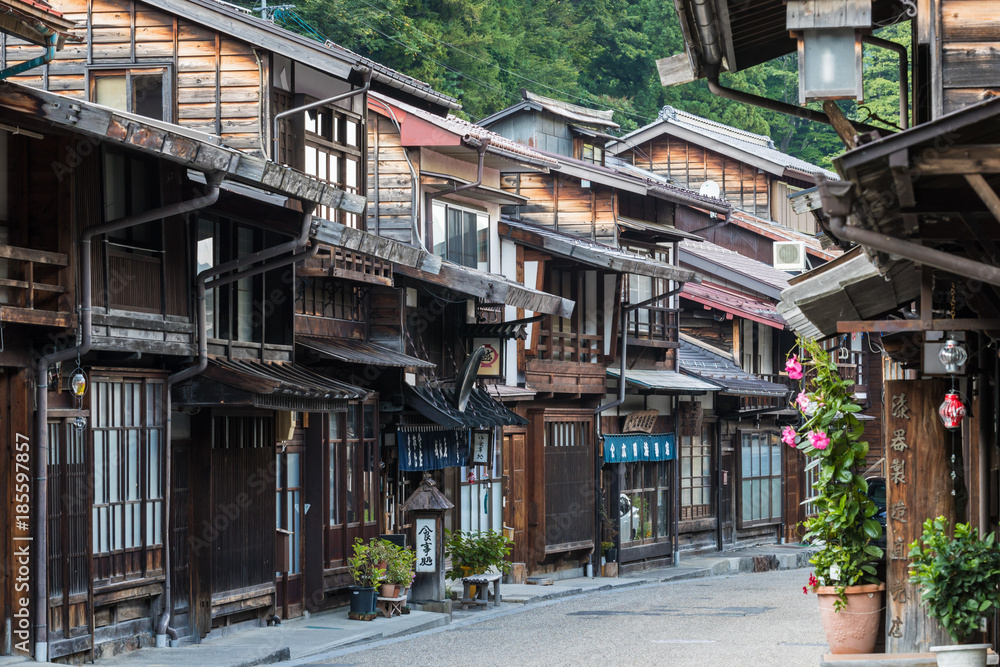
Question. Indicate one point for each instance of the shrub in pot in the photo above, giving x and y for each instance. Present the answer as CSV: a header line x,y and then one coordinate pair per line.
x,y
366,570
959,581
401,569
844,526
476,552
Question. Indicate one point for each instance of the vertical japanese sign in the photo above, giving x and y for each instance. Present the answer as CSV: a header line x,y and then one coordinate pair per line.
x,y
481,447
918,487
427,545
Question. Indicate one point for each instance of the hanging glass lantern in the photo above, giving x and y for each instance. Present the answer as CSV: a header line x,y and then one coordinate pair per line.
x,y
952,411
78,383
953,356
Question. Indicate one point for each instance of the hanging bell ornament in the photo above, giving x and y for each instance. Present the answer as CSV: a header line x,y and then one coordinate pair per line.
x,y
953,356
78,383
951,412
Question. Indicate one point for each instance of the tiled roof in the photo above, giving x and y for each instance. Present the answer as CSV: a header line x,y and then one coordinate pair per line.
x,y
746,142
498,144
697,360
731,261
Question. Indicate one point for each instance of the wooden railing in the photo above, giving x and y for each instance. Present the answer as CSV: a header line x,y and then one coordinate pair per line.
x,y
767,402
571,346
339,262
653,326
30,286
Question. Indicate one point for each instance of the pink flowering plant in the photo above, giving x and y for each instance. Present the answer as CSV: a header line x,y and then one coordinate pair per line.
x,y
830,435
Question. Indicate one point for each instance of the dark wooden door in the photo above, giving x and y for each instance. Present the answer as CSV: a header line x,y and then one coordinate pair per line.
x,y
180,531
726,494
514,515
289,502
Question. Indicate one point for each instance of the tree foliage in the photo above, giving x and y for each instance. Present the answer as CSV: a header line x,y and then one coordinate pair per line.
x,y
598,53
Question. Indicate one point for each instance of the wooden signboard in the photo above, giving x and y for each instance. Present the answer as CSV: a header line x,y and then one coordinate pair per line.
x,y
918,487
640,422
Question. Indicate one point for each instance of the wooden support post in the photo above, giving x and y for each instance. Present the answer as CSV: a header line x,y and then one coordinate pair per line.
x,y
926,297
840,123
985,192
918,487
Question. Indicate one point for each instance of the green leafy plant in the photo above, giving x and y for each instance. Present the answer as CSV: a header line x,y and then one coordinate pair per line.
x,y
476,552
400,569
365,563
959,577
607,545
843,527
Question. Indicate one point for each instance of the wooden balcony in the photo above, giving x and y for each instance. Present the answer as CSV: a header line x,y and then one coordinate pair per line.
x,y
337,262
30,287
758,403
564,377
653,326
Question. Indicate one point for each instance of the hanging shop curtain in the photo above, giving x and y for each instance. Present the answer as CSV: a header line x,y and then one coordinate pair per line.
x,y
639,447
432,449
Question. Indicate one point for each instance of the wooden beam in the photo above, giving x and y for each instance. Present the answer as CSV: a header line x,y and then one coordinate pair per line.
x,y
894,326
899,163
983,159
845,130
926,297
985,192
675,70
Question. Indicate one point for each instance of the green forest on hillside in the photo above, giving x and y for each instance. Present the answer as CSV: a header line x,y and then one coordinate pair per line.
x,y
597,53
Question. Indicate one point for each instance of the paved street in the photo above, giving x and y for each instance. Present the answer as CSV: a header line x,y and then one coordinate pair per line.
x,y
756,619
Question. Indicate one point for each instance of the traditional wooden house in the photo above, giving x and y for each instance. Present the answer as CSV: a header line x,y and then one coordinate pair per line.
x,y
434,182
921,205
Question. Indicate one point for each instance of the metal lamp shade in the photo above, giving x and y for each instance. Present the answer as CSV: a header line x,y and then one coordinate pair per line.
x,y
953,356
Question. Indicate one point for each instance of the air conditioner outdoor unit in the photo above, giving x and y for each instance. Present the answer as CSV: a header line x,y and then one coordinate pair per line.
x,y
790,255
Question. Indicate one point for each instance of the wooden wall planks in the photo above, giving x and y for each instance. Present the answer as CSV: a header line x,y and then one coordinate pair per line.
x,y
217,79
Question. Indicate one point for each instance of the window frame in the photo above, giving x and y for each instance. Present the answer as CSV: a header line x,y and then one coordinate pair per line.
x,y
129,70
150,492
704,510
447,206
774,446
334,145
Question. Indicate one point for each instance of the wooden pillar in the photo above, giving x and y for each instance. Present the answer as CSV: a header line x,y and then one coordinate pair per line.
x,y
918,487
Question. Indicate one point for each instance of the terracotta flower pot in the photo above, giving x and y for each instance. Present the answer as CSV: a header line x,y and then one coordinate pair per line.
x,y
390,590
853,629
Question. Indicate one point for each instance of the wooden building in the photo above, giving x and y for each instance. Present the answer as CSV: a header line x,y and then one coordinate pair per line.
x,y
923,214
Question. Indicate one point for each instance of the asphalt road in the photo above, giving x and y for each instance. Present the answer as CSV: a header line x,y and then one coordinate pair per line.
x,y
749,619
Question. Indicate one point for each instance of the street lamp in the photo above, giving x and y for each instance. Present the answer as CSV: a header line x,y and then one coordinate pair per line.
x,y
829,46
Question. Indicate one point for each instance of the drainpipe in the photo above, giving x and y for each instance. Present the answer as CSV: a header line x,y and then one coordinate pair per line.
x,y
904,70
480,144
42,395
781,107
163,628
51,41
322,103
836,198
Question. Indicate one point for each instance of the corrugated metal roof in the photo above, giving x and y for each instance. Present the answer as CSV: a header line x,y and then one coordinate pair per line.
x,y
481,411
572,112
499,145
665,380
590,252
707,365
280,378
777,232
360,352
741,305
768,279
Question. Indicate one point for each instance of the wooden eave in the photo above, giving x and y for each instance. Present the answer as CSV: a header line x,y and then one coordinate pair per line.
x,y
493,288
442,183
610,259
21,18
176,144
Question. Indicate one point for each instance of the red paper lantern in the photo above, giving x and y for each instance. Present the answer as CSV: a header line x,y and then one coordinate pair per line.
x,y
952,412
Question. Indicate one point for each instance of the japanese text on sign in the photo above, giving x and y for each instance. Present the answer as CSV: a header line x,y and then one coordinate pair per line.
x,y
426,545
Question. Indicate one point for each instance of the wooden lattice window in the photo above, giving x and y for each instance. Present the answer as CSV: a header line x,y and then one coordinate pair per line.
x,y
696,474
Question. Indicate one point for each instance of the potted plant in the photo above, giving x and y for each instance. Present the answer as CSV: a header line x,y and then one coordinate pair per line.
x,y
959,581
844,527
367,575
384,553
400,572
476,552
610,532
